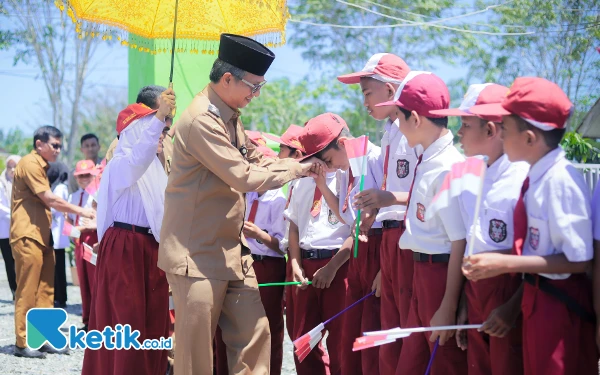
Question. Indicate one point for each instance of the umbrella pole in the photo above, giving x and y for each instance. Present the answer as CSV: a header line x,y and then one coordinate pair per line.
x,y
174,110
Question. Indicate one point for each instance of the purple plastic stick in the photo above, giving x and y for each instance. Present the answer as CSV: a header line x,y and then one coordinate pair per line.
x,y
348,308
437,343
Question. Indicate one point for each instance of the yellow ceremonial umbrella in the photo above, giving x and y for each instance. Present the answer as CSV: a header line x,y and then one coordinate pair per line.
x,y
194,26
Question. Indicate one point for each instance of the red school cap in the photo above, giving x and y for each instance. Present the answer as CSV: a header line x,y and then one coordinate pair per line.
x,y
384,67
477,94
321,131
290,138
538,101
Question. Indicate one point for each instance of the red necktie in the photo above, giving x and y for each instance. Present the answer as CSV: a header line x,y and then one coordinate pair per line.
x,y
385,167
253,209
316,205
287,204
411,185
80,202
350,186
520,221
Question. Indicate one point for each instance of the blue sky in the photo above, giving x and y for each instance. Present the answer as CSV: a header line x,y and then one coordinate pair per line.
x,y
24,98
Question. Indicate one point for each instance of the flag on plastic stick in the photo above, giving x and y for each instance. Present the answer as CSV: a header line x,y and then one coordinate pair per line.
x,y
377,338
70,231
356,149
463,177
88,254
307,342
93,187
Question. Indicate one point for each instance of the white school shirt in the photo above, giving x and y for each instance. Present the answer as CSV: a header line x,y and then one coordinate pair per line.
x,y
494,229
284,243
373,180
559,213
5,202
86,202
596,213
401,168
58,219
324,231
433,236
129,207
269,218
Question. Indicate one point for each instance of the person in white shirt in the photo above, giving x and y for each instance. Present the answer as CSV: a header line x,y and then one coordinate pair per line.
x,y
58,175
85,173
379,81
130,288
438,244
6,179
319,247
552,233
596,277
496,348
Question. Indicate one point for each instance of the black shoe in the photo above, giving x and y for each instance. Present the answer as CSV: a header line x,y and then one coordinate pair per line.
x,y
50,350
61,305
28,353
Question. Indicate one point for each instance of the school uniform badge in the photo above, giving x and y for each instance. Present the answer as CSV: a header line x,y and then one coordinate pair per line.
x,y
333,220
497,230
402,167
420,212
534,237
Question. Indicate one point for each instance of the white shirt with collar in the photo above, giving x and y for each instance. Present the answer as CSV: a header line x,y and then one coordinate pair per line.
x,y
401,168
269,218
596,213
58,219
494,229
86,202
283,244
559,214
324,231
433,236
373,180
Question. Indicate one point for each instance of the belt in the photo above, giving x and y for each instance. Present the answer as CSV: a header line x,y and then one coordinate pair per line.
x,y
259,258
375,232
318,253
431,258
132,228
542,283
388,224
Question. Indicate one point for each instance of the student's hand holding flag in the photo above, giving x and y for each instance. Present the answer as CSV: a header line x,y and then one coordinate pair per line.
x,y
444,316
461,319
366,222
503,318
298,275
377,285
96,247
324,276
371,199
88,213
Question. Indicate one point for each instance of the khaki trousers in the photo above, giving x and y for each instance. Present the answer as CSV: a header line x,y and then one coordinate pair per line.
x,y
236,307
34,265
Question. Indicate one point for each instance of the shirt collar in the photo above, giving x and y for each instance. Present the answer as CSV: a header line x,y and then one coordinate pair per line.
x,y
438,146
546,162
40,159
227,113
496,170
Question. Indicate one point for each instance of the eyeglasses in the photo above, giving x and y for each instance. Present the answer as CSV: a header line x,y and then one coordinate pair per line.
x,y
254,87
56,146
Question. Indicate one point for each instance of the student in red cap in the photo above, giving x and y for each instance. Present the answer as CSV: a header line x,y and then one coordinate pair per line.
x,y
552,236
130,288
497,350
379,81
596,275
362,270
437,244
318,249
85,172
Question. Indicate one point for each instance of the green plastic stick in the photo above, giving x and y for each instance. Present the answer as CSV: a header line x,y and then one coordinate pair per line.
x,y
362,184
285,283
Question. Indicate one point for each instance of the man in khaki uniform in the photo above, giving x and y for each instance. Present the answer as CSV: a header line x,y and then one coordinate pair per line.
x,y
30,235
202,250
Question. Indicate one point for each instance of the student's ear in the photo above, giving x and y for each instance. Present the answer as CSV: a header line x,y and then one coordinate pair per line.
x,y
414,119
297,154
391,91
492,129
341,140
531,137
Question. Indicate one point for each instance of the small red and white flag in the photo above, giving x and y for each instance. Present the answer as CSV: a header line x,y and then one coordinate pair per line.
x,y
88,254
307,342
463,177
93,187
356,149
70,231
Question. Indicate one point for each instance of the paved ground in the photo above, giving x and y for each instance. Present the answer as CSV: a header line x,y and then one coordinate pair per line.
x,y
60,364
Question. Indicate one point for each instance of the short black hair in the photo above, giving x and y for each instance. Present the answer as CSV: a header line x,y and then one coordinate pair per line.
x,y
148,95
87,136
219,69
552,138
45,132
442,122
333,144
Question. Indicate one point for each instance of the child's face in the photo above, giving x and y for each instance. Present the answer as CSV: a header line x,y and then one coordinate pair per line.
x,y
516,142
336,158
473,136
375,92
408,127
84,180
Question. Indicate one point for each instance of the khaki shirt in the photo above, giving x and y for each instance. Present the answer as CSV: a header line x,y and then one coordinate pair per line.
x,y
166,157
31,218
205,197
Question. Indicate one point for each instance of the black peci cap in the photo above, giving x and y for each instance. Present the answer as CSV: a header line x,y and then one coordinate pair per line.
x,y
245,53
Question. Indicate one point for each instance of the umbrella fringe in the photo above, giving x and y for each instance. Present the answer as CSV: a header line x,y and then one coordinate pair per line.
x,y
90,29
